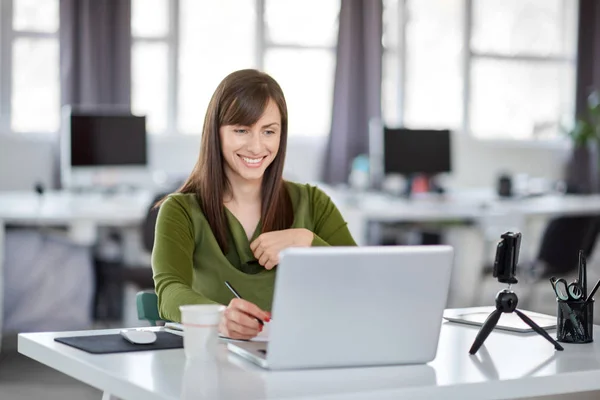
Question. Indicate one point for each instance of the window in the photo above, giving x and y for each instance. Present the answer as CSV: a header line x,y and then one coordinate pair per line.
x,y
499,70
152,37
522,68
29,65
196,43
216,38
301,57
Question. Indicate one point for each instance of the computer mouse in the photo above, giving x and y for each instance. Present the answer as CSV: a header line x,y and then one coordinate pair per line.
x,y
136,336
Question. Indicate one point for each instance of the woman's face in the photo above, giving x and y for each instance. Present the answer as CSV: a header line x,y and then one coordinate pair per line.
x,y
249,150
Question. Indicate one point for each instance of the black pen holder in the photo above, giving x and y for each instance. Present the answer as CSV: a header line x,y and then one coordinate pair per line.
x,y
575,321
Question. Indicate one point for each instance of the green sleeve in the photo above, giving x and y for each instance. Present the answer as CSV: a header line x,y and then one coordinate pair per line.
x,y
330,227
172,260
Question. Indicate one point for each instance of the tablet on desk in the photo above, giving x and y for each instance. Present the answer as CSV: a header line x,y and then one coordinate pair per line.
x,y
508,321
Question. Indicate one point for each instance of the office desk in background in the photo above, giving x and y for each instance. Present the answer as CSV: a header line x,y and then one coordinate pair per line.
x,y
471,218
478,207
508,366
80,213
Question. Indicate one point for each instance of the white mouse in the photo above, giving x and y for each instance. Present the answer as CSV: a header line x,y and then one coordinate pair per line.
x,y
138,336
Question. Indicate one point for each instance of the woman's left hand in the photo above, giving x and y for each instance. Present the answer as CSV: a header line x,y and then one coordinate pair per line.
x,y
267,246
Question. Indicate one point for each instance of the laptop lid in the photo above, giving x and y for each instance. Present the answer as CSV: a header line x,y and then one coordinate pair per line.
x,y
358,306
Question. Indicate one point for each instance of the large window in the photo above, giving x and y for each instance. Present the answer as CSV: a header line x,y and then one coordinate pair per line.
x,y
182,49
29,66
497,69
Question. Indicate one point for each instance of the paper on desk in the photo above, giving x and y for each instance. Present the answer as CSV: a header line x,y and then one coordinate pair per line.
x,y
177,329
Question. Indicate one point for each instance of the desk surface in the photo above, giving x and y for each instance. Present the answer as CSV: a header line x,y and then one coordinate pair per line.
x,y
471,205
28,208
508,366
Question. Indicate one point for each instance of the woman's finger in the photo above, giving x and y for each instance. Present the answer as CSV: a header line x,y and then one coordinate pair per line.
x,y
263,259
249,308
254,245
242,319
270,264
259,252
237,331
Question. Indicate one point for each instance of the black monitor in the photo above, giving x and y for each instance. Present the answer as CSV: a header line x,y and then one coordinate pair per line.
x,y
416,151
105,140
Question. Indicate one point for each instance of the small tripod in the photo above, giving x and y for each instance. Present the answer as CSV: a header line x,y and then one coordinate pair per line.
x,y
506,302
505,265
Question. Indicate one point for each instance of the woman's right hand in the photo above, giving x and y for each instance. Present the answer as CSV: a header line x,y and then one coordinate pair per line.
x,y
239,321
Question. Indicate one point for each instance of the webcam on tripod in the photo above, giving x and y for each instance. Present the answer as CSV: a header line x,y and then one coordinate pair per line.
x,y
507,257
505,268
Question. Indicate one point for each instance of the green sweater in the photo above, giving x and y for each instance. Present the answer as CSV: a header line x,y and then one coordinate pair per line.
x,y
190,268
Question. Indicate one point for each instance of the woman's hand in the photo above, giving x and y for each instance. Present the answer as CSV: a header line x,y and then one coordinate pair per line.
x,y
239,320
267,246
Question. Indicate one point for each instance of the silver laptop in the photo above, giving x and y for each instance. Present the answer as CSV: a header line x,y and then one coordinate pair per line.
x,y
354,306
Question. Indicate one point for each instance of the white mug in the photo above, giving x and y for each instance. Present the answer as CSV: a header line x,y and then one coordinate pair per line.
x,y
200,329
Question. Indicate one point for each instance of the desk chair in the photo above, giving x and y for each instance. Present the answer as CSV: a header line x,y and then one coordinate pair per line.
x,y
111,276
147,306
560,246
558,254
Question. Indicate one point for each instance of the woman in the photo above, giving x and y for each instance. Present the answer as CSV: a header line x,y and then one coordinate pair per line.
x,y
234,214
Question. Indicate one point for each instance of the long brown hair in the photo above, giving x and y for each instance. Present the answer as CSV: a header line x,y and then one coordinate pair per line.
x,y
240,99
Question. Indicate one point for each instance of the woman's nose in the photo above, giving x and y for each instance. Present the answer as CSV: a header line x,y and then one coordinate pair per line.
x,y
254,143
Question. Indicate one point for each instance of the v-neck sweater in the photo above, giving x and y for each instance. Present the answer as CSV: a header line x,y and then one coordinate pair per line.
x,y
190,268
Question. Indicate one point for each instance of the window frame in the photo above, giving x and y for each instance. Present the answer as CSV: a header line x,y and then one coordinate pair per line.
x,y
172,40
469,56
8,36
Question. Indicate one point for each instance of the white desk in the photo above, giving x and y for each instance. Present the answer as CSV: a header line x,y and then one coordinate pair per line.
x,y
477,206
507,366
81,214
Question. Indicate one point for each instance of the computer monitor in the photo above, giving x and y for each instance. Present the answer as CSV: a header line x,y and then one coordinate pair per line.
x,y
416,151
103,148
108,140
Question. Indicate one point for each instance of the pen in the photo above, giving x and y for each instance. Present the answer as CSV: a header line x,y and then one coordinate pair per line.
x,y
236,294
593,292
583,274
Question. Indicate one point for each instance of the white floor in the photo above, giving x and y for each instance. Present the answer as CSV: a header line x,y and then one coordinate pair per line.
x,y
22,378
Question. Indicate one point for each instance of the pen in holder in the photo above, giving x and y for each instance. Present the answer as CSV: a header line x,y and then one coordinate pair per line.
x,y
575,321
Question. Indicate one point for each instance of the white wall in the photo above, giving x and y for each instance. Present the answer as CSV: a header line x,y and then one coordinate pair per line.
x,y
478,163
25,161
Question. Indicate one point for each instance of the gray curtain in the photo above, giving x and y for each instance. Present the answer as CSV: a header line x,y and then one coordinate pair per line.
x,y
588,53
95,57
95,52
582,174
357,88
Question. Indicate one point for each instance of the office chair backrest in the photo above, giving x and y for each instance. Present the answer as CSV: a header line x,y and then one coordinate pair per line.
x,y
150,223
562,240
151,215
147,306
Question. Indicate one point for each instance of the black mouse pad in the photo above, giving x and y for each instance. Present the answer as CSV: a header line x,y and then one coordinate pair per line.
x,y
104,344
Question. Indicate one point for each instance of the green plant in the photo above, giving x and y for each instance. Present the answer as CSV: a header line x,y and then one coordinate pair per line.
x,y
587,128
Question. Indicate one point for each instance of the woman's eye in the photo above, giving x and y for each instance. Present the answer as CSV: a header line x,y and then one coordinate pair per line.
x,y
269,133
240,131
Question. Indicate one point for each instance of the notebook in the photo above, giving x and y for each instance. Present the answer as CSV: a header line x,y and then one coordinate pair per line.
x,y
177,329
508,321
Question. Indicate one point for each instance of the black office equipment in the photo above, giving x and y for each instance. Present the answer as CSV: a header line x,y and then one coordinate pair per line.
x,y
114,343
593,292
410,151
505,266
575,321
567,291
99,140
582,273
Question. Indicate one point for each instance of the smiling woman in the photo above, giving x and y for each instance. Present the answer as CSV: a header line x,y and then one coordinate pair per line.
x,y
234,214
